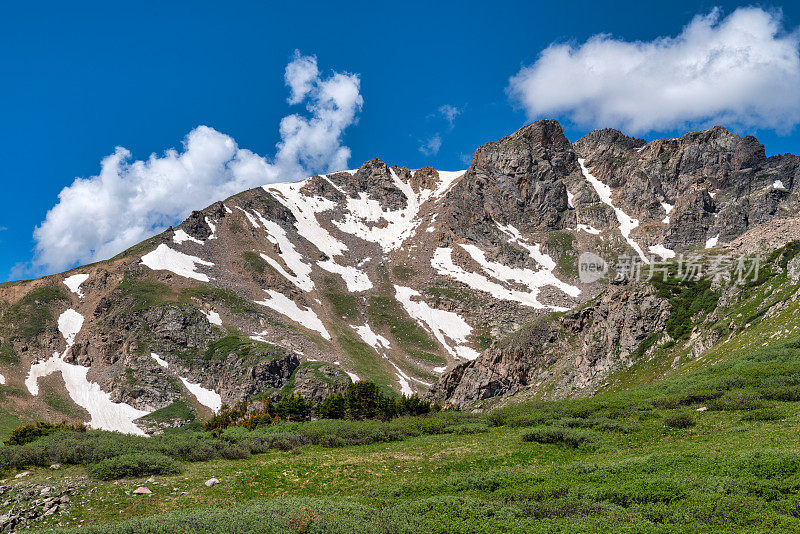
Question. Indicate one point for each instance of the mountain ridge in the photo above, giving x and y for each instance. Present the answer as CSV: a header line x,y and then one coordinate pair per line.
x,y
410,278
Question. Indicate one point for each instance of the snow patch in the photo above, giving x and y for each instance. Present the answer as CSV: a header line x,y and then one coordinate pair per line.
x,y
356,280
165,259
442,324
104,414
778,184
439,370
353,376
2,379
179,237
589,229
213,228
207,397
376,341
300,271
402,378
570,199
662,251
304,208
626,223
305,316
159,361
213,317
711,242
366,219
74,283
668,209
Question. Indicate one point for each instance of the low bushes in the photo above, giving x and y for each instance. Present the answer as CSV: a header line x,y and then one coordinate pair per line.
x,y
563,436
134,465
30,433
679,420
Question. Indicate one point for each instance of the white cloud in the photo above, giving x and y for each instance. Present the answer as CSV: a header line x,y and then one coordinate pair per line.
x,y
743,69
129,201
449,113
432,145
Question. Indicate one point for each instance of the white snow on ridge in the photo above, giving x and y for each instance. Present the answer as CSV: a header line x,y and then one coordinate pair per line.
x,y
667,209
442,324
367,219
285,306
74,283
538,256
588,228
711,242
180,237
439,370
442,262
526,277
213,228
402,378
104,413
207,397
304,209
301,271
626,223
376,341
159,360
213,317
570,199
2,379
662,251
778,184
355,279
165,259
354,377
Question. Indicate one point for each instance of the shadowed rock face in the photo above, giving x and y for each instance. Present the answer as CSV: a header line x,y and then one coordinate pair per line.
x,y
309,273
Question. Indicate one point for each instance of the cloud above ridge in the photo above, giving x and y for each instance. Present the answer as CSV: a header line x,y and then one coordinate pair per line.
x,y
740,70
131,200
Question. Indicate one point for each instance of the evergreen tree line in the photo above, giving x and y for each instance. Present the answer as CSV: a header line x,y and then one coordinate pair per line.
x,y
361,400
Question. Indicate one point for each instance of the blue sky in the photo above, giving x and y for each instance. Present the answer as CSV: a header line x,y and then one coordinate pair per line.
x,y
80,79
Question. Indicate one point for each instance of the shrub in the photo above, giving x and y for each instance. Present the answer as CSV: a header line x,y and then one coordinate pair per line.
x,y
763,414
30,433
134,465
235,452
679,420
558,435
737,401
788,394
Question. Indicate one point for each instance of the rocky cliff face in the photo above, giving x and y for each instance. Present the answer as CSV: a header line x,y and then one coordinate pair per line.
x,y
429,282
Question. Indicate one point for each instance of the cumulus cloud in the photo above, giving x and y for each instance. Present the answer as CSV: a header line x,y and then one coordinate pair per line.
x,y
129,201
743,69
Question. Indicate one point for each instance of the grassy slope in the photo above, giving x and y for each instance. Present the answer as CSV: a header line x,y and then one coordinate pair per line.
x,y
727,473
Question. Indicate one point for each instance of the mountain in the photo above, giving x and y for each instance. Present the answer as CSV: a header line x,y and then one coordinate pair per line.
x,y
460,286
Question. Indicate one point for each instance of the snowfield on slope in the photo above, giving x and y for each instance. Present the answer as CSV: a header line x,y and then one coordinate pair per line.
x,y
74,283
164,258
207,397
626,223
284,305
104,414
442,324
